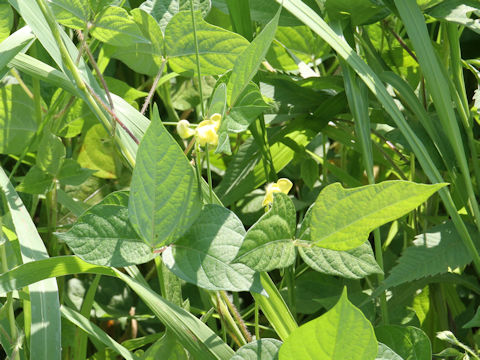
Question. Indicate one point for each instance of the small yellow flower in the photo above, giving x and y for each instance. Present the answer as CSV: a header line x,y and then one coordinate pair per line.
x,y
184,130
206,132
282,185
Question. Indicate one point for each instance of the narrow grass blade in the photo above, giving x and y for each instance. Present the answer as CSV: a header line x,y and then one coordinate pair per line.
x,y
45,339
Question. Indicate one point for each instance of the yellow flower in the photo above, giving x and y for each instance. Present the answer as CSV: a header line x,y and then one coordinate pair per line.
x,y
184,130
282,185
206,132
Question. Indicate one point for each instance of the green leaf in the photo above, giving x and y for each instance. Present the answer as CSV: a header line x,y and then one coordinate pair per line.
x,y
343,218
457,11
45,336
385,353
248,62
71,173
204,254
164,10
409,342
341,333
17,124
6,14
264,349
71,13
141,57
474,322
309,172
36,181
217,48
97,152
359,12
268,244
95,332
51,153
167,348
115,26
103,236
432,253
164,197
355,263
248,107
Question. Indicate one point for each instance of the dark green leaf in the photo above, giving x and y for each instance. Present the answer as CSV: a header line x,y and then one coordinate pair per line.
x,y
409,342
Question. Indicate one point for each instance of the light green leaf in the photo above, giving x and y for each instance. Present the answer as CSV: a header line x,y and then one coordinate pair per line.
x,y
385,353
355,263
268,244
164,10
474,322
343,218
409,342
115,26
264,349
70,124
248,62
457,11
141,57
71,173
36,181
97,152
204,255
17,124
71,13
95,332
432,253
51,153
341,333
103,236
217,48
247,108
164,197
6,14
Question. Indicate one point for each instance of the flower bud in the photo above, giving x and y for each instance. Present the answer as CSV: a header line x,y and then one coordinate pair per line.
x,y
184,130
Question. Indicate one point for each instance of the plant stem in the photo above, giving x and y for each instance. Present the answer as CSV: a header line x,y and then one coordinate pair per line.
x,y
197,58
209,174
237,316
149,97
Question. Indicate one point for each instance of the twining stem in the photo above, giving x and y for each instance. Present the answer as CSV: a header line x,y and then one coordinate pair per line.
x,y
197,58
209,173
237,316
149,97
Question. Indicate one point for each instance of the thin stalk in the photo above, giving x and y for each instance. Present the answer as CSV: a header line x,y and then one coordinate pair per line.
x,y
52,214
290,279
237,316
209,174
149,97
198,166
324,154
230,324
197,58
257,326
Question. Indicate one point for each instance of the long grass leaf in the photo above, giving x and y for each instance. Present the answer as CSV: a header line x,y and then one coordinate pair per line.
x,y
45,339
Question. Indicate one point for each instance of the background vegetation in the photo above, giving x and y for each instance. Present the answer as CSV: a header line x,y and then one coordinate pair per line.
x,y
239,180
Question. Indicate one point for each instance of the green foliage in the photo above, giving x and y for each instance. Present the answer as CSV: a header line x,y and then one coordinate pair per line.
x,y
408,342
260,349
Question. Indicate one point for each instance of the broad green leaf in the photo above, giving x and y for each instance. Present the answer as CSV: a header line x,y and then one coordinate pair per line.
x,y
51,153
217,48
268,244
71,13
164,10
359,12
341,333
409,342
103,236
309,172
264,349
45,337
432,253
141,57
343,218
6,14
115,26
248,62
98,152
70,123
71,173
192,333
473,322
457,11
167,348
248,107
385,353
96,332
122,89
204,254
164,198
36,181
17,124
355,263
13,45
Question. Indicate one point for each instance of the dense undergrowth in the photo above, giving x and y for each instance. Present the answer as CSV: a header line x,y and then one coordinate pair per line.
x,y
233,179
